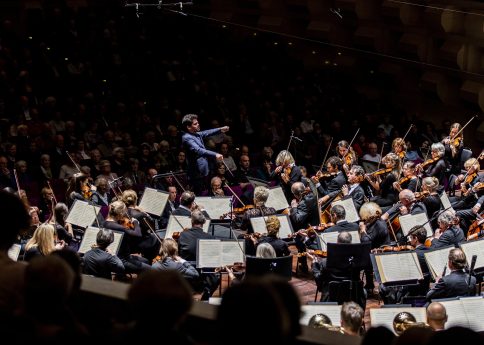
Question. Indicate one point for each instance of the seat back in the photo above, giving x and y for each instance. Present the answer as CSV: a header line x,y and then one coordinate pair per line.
x,y
282,266
465,155
347,290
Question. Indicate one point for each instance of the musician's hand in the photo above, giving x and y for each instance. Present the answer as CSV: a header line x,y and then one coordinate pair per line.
x,y
294,203
219,157
60,245
438,233
315,179
446,141
403,210
362,227
397,186
476,208
418,167
278,169
345,190
224,129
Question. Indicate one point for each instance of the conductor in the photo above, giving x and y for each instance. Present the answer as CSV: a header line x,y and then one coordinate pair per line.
x,y
197,154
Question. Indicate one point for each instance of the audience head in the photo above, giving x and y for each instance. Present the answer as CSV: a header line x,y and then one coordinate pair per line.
x,y
15,217
457,259
344,237
352,318
436,316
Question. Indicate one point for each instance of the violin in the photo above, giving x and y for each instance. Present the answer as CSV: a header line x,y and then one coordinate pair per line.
x,y
428,162
253,236
470,178
322,175
478,186
476,229
404,179
86,191
320,253
286,175
379,172
402,154
156,259
422,195
237,211
127,222
385,249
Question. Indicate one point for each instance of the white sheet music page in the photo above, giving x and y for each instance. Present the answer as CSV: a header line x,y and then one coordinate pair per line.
x,y
385,316
214,206
14,251
444,199
399,267
437,260
277,199
209,253
473,307
259,225
332,237
408,221
349,206
332,311
153,201
232,252
474,248
82,214
456,314
89,239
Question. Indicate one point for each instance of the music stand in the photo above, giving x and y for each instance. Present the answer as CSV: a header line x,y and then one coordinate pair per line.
x,y
352,256
281,266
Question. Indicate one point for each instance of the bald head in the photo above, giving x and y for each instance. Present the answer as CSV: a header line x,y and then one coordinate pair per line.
x,y
297,189
436,315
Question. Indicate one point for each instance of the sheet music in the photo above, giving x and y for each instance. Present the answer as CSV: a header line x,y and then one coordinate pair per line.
x,y
349,206
186,222
208,253
444,199
14,251
474,248
385,316
332,237
277,199
399,267
332,311
437,260
215,206
408,221
82,214
473,307
153,201
456,314
259,225
255,182
89,239
232,252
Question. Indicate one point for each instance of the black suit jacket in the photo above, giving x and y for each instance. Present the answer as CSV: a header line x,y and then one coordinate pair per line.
x,y
358,196
453,285
451,236
306,213
180,211
343,226
280,247
332,186
294,176
187,243
377,234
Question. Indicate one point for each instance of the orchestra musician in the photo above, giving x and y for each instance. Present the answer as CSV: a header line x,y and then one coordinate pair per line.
x,y
287,172
429,196
197,154
171,205
453,147
78,189
407,205
102,195
261,194
346,154
188,247
338,218
418,235
466,183
409,180
272,226
118,220
384,186
371,227
399,147
435,166
337,178
448,232
454,284
353,189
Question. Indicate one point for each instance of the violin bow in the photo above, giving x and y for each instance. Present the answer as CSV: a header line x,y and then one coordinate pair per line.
x,y
177,181
408,131
53,194
152,230
381,155
326,154
73,162
233,193
227,168
351,143
459,132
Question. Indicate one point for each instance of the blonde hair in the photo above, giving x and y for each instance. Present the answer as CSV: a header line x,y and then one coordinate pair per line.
x,y
261,194
430,183
470,162
129,197
117,208
43,238
169,248
273,224
369,210
399,142
284,158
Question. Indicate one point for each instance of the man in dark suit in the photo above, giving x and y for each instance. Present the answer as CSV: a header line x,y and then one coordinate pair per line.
x,y
196,153
418,235
187,243
455,284
338,215
171,206
448,233
326,186
407,205
353,189
186,204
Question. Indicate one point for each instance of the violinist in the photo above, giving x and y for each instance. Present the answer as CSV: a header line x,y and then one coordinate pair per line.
x,y
371,227
148,245
399,147
448,232
338,218
187,204
64,230
261,194
429,196
454,144
287,172
332,183
188,250
407,204
435,166
45,203
102,195
466,183
417,236
78,189
118,220
384,185
346,154
273,225
409,179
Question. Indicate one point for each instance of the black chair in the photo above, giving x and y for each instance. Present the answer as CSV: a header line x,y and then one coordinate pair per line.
x,y
281,266
464,155
347,290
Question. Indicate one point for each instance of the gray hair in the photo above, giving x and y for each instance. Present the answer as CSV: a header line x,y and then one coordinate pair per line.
x,y
265,250
261,194
198,218
438,147
446,217
297,188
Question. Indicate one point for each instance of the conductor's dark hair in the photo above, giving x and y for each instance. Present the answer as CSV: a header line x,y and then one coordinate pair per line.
x,y
188,119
